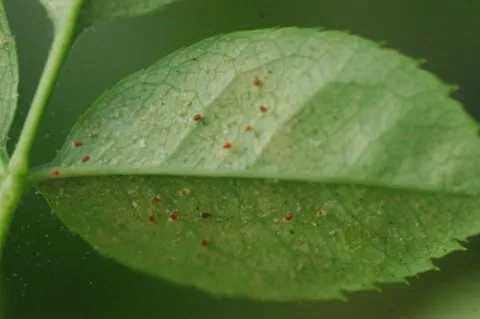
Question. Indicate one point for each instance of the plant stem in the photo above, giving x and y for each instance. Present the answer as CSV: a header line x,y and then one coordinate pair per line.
x,y
14,182
10,193
56,57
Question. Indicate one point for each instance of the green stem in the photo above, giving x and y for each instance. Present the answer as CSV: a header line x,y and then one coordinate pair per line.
x,y
56,57
10,193
14,182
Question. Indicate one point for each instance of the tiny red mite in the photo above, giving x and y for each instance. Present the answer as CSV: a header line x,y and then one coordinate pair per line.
x,y
155,199
227,145
289,217
257,82
262,108
197,117
85,158
77,143
152,218
55,173
174,216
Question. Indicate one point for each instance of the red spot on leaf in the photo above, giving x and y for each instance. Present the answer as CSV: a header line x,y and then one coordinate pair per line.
x,y
174,215
289,217
77,143
85,158
206,215
197,117
152,218
155,199
227,145
262,108
56,173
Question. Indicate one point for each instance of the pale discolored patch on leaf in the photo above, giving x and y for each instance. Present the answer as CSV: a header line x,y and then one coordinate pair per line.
x,y
249,156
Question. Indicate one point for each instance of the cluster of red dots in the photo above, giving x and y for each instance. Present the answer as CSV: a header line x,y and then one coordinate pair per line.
x,y
85,158
197,118
228,145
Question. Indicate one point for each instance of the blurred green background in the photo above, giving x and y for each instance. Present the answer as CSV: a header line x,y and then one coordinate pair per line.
x,y
50,273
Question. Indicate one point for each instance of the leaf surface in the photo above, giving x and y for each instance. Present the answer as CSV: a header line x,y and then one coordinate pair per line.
x,y
8,84
275,164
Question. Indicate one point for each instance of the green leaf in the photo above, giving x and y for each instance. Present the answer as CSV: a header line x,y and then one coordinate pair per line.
x,y
94,11
349,166
8,104
8,84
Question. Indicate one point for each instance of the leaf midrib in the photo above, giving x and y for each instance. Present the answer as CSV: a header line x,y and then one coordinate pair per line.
x,y
43,174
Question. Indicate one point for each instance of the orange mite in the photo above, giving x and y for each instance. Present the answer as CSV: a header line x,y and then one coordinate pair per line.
x,y
197,117
227,145
257,82
55,173
77,143
152,218
289,217
174,215
262,108
85,158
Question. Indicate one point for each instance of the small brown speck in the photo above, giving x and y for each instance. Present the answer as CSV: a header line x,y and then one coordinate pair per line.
x,y
262,108
152,218
77,143
197,117
174,216
56,173
206,215
155,199
85,158
289,217
321,213
205,242
248,128
227,145
257,82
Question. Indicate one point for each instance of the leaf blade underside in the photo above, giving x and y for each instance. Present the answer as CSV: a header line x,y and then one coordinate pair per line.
x,y
280,102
